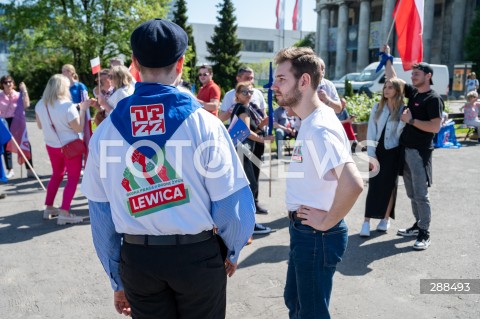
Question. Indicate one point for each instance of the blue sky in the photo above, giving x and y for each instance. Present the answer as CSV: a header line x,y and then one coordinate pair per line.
x,y
252,13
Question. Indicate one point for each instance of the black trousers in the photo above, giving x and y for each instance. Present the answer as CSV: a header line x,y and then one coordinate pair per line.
x,y
258,151
178,281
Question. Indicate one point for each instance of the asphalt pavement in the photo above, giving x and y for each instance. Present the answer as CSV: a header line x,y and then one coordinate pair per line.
x,y
50,271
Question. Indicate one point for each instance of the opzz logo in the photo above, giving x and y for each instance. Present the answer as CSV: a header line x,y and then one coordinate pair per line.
x,y
147,119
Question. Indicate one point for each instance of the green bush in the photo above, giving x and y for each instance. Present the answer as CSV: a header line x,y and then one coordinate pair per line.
x,y
361,105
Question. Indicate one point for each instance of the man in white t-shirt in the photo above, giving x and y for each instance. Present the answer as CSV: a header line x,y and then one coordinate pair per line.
x,y
323,184
327,92
244,74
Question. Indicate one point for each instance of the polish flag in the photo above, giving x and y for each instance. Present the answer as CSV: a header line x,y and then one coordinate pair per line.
x,y
95,63
408,16
280,14
297,15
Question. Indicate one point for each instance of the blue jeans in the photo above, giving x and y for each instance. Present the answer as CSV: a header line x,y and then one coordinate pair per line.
x,y
312,262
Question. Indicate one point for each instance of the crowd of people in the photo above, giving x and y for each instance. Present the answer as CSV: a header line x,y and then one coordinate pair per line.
x,y
149,203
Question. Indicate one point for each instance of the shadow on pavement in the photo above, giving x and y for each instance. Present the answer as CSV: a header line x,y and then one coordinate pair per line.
x,y
266,255
360,254
27,225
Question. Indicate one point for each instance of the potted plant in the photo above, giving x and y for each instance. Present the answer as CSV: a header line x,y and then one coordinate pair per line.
x,y
360,107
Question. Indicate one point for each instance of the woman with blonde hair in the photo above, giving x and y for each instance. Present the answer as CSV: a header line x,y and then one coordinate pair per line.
x,y
122,81
384,129
61,122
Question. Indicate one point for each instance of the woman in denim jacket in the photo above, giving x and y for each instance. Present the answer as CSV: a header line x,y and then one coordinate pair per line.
x,y
383,134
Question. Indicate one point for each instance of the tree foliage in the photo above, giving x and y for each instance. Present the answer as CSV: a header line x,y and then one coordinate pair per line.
x,y
472,49
307,41
180,18
47,34
225,48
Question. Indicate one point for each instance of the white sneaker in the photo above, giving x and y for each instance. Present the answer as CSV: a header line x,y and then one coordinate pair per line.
x,y
69,219
383,225
10,174
365,232
50,213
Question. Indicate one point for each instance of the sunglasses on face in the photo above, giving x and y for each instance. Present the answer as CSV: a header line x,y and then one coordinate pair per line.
x,y
7,82
203,74
247,92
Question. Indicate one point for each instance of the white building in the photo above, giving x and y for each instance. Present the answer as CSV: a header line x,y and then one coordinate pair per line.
x,y
258,45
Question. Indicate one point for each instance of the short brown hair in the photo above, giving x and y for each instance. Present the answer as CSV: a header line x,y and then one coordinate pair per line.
x,y
206,66
303,60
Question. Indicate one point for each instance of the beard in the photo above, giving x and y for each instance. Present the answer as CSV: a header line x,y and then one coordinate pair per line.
x,y
291,98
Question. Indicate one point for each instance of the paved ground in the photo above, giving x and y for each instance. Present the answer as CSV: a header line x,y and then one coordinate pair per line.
x,y
48,271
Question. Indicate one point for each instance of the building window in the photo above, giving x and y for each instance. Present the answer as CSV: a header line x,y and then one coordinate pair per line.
x,y
256,45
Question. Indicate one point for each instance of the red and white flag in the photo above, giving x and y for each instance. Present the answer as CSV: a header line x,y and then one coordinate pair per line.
x,y
95,63
297,16
408,15
280,14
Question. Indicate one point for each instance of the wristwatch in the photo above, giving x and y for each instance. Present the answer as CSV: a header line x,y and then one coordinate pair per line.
x,y
411,121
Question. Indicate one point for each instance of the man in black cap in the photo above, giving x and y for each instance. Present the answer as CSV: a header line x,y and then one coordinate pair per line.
x,y
163,181
424,116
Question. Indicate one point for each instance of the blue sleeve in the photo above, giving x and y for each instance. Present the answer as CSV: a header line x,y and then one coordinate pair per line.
x,y
234,216
106,240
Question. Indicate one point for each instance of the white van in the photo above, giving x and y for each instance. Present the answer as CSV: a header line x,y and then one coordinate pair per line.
x,y
370,81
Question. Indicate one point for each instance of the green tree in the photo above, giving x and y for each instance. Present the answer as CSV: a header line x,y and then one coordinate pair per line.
x,y
307,41
472,49
180,18
47,34
225,48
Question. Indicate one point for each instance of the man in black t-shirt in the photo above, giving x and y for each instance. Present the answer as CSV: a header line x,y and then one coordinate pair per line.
x,y
423,114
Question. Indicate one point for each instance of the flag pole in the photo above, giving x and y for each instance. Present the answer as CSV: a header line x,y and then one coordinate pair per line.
x,y
27,162
270,123
393,23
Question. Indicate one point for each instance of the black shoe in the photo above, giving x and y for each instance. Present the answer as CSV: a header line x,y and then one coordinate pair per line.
x,y
423,240
261,210
409,232
261,229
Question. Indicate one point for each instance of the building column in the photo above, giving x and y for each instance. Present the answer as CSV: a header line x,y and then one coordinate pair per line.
x,y
387,20
322,32
428,30
363,35
342,33
456,40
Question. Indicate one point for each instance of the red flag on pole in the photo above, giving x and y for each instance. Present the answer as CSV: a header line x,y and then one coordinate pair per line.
x,y
280,14
408,16
297,15
95,63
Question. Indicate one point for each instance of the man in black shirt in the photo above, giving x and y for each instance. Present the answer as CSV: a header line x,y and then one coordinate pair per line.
x,y
423,114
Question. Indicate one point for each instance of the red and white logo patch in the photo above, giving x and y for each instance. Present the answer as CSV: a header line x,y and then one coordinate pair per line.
x,y
147,119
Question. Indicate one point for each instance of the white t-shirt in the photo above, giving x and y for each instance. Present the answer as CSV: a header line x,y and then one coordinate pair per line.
x,y
329,88
169,198
62,113
321,145
120,94
228,101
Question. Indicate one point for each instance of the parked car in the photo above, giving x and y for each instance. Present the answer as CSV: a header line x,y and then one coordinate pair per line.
x,y
370,81
340,83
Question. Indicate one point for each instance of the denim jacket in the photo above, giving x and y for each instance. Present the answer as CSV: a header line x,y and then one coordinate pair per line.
x,y
375,127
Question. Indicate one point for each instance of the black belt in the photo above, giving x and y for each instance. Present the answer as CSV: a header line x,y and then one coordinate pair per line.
x,y
292,215
165,240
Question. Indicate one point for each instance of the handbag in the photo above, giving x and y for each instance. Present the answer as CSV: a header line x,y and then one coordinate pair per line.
x,y
72,149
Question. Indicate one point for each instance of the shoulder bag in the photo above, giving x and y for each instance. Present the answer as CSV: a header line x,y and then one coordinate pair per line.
x,y
72,149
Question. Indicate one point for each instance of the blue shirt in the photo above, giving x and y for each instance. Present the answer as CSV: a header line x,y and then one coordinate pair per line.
x,y
79,92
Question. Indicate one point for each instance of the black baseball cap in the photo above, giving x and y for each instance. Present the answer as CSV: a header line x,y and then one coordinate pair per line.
x,y
425,67
158,43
